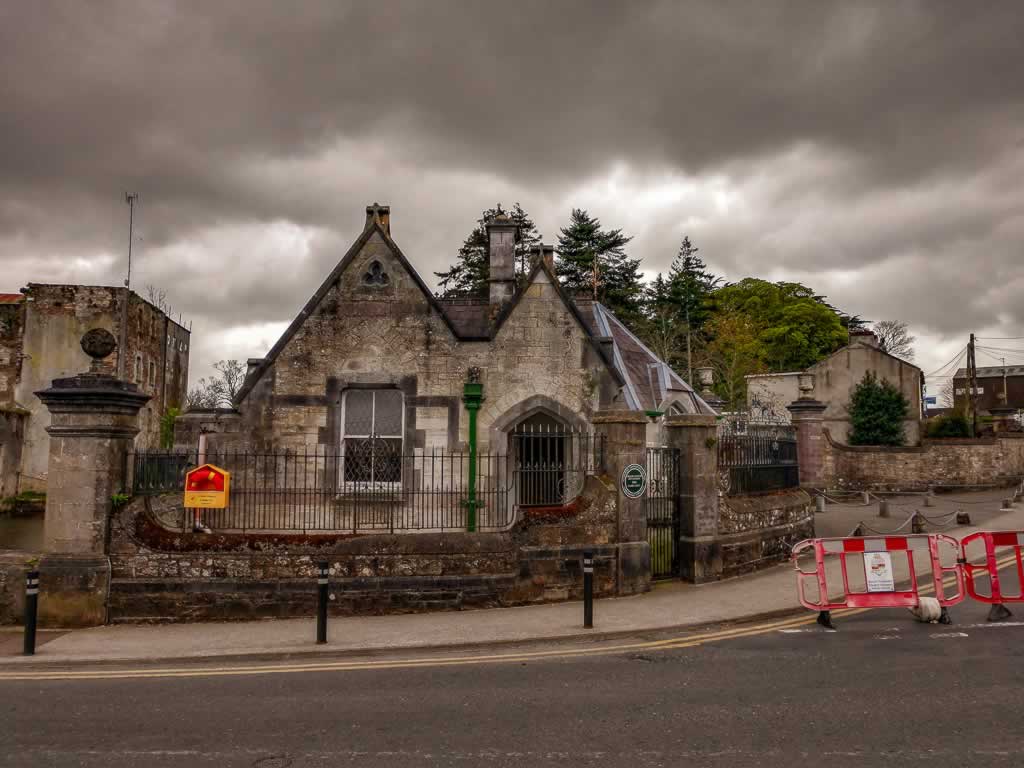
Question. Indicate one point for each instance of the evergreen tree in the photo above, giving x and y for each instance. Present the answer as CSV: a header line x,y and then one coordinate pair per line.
x,y
690,285
592,263
877,411
468,276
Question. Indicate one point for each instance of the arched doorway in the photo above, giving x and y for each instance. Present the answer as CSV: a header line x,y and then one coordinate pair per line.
x,y
541,456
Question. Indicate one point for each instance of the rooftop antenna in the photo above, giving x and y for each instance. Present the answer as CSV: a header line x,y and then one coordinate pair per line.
x,y
130,198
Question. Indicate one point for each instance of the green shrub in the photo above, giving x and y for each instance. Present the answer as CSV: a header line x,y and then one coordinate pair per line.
x,y
877,411
167,427
948,425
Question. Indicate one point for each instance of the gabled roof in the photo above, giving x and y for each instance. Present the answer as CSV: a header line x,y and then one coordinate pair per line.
x,y
373,227
647,380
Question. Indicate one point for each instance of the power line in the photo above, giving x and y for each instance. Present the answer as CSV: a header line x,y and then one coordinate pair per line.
x,y
955,359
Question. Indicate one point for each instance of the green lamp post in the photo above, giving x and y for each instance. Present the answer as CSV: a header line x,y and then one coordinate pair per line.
x,y
472,397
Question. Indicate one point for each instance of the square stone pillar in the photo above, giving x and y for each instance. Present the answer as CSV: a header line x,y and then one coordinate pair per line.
x,y
93,420
807,415
695,436
625,435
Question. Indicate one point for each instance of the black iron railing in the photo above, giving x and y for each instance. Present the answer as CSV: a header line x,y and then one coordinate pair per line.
x,y
757,457
371,487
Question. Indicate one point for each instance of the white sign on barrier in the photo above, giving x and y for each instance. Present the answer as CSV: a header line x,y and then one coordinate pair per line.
x,y
878,570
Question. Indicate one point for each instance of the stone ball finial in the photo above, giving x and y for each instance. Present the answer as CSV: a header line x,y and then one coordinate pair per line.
x,y
98,343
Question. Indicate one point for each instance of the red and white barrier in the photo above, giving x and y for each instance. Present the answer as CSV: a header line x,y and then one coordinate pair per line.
x,y
875,556
996,596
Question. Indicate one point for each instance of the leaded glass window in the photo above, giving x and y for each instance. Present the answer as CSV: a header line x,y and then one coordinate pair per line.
x,y
372,436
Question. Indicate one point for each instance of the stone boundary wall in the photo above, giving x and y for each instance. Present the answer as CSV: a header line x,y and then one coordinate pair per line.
x,y
13,566
934,463
159,574
759,530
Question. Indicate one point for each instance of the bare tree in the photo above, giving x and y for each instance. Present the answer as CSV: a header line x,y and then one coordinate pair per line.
x,y
218,391
894,338
158,298
947,395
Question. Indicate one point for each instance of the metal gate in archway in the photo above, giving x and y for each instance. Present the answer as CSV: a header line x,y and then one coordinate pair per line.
x,y
662,509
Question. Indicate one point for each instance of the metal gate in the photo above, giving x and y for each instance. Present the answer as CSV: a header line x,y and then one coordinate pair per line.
x,y
661,505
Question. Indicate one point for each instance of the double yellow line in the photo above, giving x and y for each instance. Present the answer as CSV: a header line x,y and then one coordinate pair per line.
x,y
436,661
686,641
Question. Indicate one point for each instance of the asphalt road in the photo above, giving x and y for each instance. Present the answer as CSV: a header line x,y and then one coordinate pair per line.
x,y
883,690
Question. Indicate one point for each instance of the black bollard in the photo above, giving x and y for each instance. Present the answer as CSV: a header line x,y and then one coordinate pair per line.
x,y
321,604
588,590
31,611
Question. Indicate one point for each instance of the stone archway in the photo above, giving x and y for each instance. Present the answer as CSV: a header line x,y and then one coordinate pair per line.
x,y
542,439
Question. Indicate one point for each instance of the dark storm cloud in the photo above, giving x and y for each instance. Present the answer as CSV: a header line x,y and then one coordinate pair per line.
x,y
857,136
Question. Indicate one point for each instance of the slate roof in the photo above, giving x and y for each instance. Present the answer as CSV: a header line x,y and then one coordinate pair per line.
x,y
649,380
469,317
990,371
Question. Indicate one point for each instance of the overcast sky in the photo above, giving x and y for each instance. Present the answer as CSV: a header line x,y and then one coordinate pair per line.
x,y
873,151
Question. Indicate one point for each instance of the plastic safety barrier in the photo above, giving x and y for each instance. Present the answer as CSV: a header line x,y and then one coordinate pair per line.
x,y
990,569
874,555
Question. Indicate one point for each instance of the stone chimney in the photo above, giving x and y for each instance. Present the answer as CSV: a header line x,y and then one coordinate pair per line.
x,y
501,236
545,252
864,336
381,213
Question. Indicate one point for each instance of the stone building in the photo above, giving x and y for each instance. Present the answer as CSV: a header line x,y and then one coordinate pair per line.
x,y
375,354
834,380
40,331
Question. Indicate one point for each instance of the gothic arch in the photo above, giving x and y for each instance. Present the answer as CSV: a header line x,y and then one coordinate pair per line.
x,y
501,426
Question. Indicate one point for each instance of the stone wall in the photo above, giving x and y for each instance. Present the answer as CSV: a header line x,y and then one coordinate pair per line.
x,y
13,566
934,463
12,437
160,573
758,530
12,325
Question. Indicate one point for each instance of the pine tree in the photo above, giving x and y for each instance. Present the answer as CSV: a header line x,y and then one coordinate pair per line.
x,y
592,263
877,410
689,286
468,276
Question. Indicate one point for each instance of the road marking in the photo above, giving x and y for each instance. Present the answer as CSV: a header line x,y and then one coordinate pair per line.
x,y
323,666
949,634
500,658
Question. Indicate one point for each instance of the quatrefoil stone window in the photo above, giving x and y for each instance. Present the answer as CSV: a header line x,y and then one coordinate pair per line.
x,y
376,275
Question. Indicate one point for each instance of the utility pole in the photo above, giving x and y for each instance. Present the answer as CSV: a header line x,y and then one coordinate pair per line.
x,y
972,386
1005,400
122,344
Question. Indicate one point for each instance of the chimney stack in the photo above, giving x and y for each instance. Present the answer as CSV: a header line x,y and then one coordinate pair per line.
x,y
864,336
545,253
502,233
381,213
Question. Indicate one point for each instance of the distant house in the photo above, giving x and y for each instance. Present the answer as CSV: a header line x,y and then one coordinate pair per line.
x,y
835,378
40,333
992,383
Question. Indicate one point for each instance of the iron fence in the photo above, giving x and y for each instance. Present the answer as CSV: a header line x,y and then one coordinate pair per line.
x,y
756,457
369,486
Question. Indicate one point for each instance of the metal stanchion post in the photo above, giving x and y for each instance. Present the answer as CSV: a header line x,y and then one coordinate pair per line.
x,y
321,605
588,590
31,611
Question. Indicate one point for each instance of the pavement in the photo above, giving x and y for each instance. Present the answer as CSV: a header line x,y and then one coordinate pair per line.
x,y
669,606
